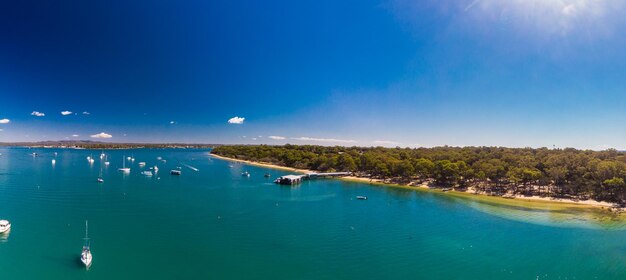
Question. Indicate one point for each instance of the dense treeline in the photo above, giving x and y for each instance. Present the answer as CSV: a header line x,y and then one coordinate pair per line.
x,y
568,172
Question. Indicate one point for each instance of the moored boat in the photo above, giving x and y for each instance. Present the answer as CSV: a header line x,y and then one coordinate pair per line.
x,y
124,168
175,172
5,226
100,179
85,255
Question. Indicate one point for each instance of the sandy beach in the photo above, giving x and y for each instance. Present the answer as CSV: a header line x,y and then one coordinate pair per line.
x,y
262,164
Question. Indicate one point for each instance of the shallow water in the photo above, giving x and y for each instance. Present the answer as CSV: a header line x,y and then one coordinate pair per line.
x,y
215,224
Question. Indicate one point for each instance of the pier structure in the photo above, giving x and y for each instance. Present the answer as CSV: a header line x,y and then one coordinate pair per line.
x,y
296,179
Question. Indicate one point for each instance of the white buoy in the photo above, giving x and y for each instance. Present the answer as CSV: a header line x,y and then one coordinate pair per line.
x,y
54,161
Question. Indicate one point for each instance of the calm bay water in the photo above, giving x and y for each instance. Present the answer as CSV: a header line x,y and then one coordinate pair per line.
x,y
216,224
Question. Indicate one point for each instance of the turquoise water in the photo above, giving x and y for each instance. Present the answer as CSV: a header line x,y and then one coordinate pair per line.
x,y
216,224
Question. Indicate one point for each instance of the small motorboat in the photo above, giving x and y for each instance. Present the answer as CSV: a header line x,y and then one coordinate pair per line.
x,y
175,172
5,226
267,175
100,180
147,173
245,174
361,197
142,164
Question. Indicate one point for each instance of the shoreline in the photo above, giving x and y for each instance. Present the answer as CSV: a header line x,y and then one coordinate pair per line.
x,y
262,164
541,202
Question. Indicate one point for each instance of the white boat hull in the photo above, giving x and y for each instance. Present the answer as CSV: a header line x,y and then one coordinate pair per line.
x,y
5,226
5,229
86,258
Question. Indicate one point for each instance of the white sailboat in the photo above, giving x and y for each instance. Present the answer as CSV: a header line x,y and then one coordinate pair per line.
x,y
124,168
100,179
85,255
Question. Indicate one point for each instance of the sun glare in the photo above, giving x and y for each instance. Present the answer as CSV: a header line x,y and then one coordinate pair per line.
x,y
561,17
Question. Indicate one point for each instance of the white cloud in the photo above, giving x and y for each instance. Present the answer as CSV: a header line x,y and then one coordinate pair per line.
x,y
86,113
236,120
386,142
5,121
327,140
254,138
101,135
37,114
65,113
75,135
1,129
273,137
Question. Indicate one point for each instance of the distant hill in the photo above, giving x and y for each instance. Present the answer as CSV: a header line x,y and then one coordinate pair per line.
x,y
89,144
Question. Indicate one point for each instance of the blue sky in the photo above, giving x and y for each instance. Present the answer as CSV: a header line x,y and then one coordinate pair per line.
x,y
400,72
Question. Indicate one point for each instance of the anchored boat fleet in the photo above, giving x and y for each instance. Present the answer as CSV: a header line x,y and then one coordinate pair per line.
x,y
86,257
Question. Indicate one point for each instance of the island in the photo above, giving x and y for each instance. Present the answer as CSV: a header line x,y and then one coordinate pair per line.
x,y
570,175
